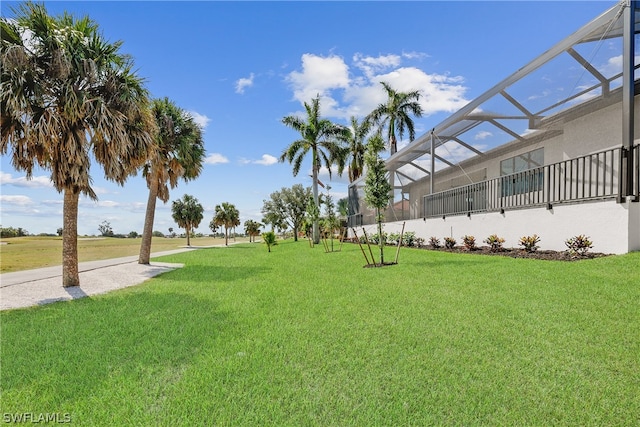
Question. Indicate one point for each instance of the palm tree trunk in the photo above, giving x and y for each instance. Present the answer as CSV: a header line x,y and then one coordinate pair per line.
x,y
226,236
316,221
188,228
70,274
147,233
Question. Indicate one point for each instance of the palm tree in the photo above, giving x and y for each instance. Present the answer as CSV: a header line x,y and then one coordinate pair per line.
x,y
68,95
357,147
320,136
228,216
179,154
187,213
252,228
395,114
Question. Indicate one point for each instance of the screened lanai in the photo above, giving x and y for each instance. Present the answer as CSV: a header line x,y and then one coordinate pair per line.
x,y
588,70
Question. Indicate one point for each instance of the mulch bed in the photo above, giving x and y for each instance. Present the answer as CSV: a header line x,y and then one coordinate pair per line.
x,y
521,253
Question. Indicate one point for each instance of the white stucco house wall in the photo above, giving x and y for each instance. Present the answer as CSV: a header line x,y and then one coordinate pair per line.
x,y
558,168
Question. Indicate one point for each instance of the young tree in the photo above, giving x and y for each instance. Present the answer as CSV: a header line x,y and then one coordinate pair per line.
x,y
179,153
187,213
313,213
323,139
395,114
228,216
269,239
377,189
331,222
69,95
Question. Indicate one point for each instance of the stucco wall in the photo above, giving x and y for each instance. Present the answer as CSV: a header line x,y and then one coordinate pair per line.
x,y
613,227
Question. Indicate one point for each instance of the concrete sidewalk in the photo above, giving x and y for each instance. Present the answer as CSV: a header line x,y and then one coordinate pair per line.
x,y
44,285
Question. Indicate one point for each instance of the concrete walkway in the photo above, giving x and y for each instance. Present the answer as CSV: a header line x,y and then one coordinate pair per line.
x,y
44,285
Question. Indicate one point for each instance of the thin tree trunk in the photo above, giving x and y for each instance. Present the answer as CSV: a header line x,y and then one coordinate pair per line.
x,y
381,241
316,223
147,233
70,274
226,236
188,228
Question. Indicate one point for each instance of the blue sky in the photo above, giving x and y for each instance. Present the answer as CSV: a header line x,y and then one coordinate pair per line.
x,y
240,67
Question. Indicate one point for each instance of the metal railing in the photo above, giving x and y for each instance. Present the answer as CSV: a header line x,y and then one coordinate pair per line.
x,y
594,176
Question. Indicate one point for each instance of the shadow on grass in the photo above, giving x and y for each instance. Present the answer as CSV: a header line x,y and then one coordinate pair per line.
x,y
71,349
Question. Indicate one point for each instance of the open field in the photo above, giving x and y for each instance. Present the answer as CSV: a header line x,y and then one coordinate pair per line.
x,y
23,253
240,336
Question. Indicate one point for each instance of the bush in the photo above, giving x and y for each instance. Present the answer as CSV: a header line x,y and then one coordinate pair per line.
x,y
419,242
409,238
529,243
469,242
578,246
375,238
393,238
494,242
434,242
157,234
449,242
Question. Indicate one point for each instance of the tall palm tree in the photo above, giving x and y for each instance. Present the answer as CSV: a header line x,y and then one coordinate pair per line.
x,y
226,215
323,139
357,147
179,153
68,95
395,114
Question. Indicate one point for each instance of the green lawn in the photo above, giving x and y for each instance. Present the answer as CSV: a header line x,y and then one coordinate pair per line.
x,y
298,337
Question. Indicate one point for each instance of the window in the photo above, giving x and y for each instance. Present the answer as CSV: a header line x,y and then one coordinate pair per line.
x,y
516,178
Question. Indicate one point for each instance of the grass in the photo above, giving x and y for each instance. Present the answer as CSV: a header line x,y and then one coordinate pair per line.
x,y
23,253
240,336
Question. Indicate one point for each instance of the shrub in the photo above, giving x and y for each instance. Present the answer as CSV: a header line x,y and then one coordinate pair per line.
x,y
409,238
494,242
434,242
419,242
375,238
469,242
578,246
393,238
449,242
157,234
529,243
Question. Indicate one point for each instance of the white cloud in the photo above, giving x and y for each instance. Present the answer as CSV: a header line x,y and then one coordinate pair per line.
x,y
482,135
200,119
439,93
16,200
344,93
243,83
371,65
35,182
266,160
216,158
414,55
318,76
